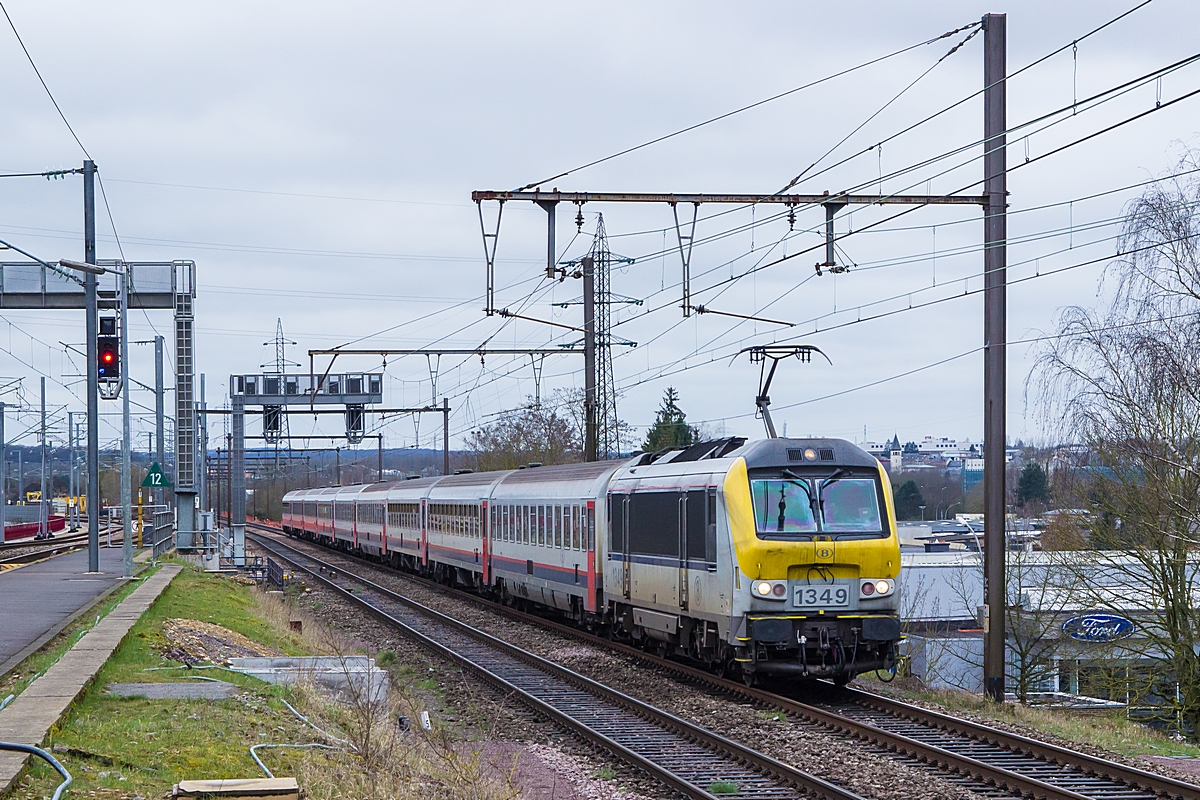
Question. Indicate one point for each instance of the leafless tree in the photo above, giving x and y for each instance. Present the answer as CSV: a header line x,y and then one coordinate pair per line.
x,y
1123,381
545,432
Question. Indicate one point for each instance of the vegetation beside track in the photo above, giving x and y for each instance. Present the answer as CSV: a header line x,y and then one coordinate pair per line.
x,y
1106,730
127,747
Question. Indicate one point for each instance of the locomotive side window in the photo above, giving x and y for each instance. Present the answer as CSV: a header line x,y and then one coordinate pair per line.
x,y
710,530
616,523
696,525
654,523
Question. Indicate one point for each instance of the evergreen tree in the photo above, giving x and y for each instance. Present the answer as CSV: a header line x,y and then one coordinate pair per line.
x,y
908,499
670,427
1033,486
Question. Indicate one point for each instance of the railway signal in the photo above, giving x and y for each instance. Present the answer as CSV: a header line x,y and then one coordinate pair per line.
x,y
108,358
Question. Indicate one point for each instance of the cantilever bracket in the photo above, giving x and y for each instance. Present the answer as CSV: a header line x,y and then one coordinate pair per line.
x,y
830,262
489,255
685,252
761,354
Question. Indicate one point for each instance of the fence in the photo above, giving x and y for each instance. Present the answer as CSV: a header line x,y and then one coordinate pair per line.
x,y
162,532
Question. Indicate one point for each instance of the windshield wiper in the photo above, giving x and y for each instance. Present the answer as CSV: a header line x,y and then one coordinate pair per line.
x,y
796,480
836,476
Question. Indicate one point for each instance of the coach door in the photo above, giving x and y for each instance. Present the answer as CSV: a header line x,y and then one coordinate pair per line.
x,y
683,549
485,534
424,543
623,511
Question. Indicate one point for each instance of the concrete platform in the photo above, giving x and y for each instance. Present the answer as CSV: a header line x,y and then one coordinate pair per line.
x,y
39,600
29,718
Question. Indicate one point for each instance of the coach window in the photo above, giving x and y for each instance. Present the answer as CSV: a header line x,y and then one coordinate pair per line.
x,y
591,528
558,526
574,527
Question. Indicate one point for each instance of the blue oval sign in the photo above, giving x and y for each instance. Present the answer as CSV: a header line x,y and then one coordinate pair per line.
x,y
1098,627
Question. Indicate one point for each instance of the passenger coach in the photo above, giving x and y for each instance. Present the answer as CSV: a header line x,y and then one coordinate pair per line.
x,y
776,557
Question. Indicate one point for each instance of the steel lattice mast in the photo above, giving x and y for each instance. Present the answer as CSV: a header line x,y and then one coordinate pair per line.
x,y
279,430
607,424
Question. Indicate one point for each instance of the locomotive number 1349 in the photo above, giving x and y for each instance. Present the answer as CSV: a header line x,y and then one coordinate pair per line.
x,y
822,596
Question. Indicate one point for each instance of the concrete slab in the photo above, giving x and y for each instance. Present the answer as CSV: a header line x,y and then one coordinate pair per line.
x,y
29,717
193,690
41,597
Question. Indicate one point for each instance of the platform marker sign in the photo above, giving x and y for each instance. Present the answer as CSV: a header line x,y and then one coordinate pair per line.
x,y
155,478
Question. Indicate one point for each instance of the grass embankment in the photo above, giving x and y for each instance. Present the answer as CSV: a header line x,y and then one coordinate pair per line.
x,y
1108,730
127,747
122,747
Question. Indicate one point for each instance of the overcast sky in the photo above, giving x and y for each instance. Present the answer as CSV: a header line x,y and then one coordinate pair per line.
x,y
316,161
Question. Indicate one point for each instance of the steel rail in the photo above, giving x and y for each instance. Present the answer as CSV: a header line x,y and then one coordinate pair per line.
x,y
1160,785
1149,784
32,542
45,552
735,754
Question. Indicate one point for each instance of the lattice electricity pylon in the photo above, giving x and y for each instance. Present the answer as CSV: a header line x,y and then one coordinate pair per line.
x,y
275,423
607,423
761,354
607,432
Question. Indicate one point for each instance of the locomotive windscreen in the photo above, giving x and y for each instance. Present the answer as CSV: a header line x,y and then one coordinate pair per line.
x,y
800,507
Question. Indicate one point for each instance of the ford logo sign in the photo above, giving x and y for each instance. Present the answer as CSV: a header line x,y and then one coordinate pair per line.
x,y
1098,627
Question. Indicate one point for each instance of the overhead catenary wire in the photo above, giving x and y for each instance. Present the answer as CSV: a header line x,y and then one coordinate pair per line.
x,y
736,111
932,116
1038,275
880,223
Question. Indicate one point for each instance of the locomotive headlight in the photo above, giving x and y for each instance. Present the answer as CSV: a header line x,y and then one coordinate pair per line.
x,y
810,454
872,588
763,589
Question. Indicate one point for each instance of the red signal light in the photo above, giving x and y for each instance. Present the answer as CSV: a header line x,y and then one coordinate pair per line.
x,y
108,357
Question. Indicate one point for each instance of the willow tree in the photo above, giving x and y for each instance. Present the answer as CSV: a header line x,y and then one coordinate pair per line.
x,y
1123,381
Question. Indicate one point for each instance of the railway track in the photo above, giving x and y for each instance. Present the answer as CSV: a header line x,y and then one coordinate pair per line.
x,y
29,542
691,760
985,760
40,549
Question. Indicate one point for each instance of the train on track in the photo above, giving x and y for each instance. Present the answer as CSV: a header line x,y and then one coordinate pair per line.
x,y
777,557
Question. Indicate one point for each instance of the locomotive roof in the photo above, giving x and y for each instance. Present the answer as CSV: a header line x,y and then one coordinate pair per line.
x,y
782,452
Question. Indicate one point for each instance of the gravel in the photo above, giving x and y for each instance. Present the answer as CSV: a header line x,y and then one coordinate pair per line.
x,y
845,762
506,731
